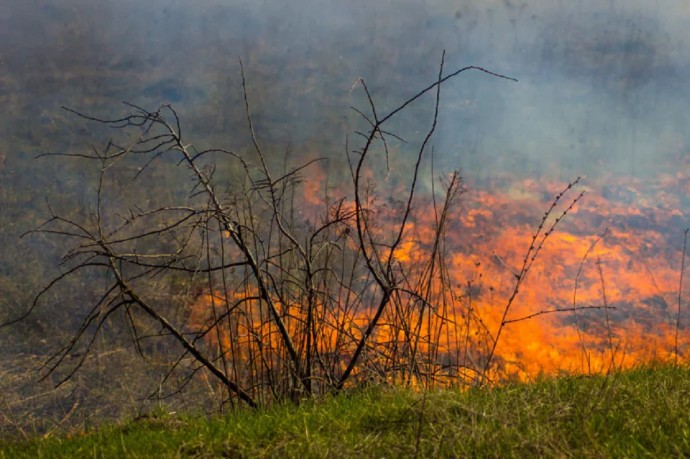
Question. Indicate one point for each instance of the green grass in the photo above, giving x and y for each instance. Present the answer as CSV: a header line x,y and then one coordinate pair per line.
x,y
643,412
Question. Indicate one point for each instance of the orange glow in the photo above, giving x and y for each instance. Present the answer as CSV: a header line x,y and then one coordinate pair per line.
x,y
633,270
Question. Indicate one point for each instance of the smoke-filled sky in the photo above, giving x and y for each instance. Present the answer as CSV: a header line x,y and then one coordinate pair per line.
x,y
602,84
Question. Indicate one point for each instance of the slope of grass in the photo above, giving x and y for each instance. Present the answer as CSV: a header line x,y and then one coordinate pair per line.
x,y
643,412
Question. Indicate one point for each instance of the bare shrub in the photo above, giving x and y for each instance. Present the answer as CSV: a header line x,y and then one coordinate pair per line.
x,y
228,284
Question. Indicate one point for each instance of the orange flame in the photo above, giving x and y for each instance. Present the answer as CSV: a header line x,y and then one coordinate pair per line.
x,y
588,304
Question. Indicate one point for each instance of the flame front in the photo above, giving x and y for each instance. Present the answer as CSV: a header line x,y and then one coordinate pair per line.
x,y
603,293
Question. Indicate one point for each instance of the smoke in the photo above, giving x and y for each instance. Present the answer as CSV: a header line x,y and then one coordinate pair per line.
x,y
602,93
601,83
602,89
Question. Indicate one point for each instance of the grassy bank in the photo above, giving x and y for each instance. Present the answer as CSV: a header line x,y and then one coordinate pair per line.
x,y
644,412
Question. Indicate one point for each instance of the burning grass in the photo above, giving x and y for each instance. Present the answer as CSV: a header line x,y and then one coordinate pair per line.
x,y
284,295
590,304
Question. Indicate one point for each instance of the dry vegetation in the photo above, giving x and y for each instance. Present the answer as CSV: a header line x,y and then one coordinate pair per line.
x,y
269,304
249,285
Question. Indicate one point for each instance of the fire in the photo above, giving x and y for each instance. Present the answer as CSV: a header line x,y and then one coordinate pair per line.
x,y
634,268
602,294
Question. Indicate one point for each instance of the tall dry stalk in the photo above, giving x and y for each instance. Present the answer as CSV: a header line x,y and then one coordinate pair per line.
x,y
277,307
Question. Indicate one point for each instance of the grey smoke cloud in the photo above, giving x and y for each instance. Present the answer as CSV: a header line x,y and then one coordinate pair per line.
x,y
602,84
